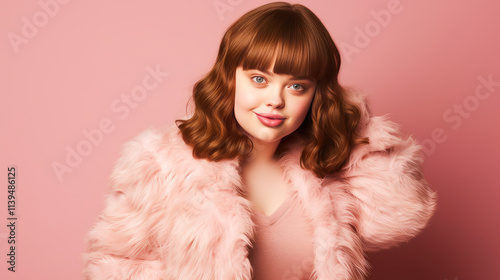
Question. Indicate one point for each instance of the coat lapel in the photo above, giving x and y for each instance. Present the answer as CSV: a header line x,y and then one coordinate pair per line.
x,y
208,223
332,214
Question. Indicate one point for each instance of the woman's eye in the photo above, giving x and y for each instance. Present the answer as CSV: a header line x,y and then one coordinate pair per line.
x,y
258,79
299,88
261,80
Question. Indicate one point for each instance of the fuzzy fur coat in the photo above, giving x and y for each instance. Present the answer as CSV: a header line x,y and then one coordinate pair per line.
x,y
170,216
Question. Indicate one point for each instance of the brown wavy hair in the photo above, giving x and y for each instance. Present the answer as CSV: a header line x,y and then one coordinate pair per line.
x,y
300,44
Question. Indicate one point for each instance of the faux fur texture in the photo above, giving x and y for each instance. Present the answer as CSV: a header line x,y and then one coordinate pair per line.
x,y
170,216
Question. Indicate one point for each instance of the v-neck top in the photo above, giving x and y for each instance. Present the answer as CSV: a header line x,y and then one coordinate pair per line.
x,y
282,247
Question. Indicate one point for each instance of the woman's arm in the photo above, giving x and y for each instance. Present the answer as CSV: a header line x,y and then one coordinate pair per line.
x,y
122,244
393,199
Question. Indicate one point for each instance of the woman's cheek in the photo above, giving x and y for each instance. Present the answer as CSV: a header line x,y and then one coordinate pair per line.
x,y
246,98
301,108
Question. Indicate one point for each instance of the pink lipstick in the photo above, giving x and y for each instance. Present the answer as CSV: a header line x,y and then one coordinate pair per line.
x,y
270,120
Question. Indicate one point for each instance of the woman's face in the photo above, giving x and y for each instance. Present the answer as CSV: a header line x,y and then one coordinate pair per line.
x,y
269,106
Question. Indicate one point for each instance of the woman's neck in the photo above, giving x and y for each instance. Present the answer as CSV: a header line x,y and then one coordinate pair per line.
x,y
262,153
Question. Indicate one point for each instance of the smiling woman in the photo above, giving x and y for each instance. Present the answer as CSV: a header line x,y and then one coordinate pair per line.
x,y
269,107
279,167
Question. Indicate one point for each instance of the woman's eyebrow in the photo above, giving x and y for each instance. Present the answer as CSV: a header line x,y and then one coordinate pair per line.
x,y
293,78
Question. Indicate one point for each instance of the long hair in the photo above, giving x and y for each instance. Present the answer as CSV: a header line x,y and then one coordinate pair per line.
x,y
300,44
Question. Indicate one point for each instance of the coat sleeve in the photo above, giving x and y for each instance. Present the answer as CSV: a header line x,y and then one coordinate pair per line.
x,y
122,244
385,178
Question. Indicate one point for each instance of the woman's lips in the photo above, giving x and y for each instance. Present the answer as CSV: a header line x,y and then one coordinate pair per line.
x,y
270,120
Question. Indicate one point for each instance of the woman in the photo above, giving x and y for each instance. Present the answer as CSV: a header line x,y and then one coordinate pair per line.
x,y
280,173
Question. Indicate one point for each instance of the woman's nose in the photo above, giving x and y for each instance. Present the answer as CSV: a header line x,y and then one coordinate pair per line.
x,y
275,98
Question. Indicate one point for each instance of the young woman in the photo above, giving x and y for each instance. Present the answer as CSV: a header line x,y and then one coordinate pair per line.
x,y
279,173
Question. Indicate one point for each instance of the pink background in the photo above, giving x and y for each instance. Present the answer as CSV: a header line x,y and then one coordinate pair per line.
x,y
69,74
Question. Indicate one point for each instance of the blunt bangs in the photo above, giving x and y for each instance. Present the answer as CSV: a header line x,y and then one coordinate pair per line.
x,y
284,38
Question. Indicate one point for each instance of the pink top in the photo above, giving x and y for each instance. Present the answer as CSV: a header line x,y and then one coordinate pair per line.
x,y
283,246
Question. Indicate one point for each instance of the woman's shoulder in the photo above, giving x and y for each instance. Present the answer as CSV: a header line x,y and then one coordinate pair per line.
x,y
165,148
385,136
158,157
154,150
158,141
152,137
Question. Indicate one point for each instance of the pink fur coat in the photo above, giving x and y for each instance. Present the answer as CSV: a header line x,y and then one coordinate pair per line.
x,y
170,216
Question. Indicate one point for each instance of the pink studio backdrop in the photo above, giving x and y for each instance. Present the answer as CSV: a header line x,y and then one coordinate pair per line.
x,y
68,70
